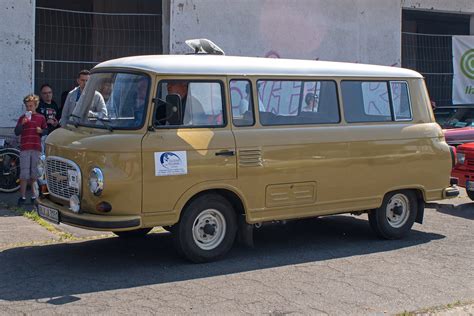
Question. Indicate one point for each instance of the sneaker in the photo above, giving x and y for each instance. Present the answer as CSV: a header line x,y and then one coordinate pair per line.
x,y
21,201
33,199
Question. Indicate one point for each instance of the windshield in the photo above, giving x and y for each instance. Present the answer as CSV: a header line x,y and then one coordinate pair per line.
x,y
459,117
113,101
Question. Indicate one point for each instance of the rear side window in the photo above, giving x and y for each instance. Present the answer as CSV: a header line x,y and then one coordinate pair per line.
x,y
295,102
366,101
401,100
202,104
375,101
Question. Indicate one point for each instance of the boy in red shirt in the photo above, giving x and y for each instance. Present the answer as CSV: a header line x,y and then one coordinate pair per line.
x,y
31,126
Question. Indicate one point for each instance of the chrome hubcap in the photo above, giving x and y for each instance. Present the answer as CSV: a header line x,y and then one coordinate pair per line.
x,y
209,229
398,210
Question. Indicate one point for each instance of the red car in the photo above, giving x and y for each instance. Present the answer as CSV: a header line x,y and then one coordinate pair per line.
x,y
457,123
464,168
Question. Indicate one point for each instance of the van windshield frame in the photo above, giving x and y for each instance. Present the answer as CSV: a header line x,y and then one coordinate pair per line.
x,y
113,100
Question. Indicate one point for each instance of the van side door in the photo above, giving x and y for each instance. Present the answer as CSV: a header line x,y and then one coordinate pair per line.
x,y
194,146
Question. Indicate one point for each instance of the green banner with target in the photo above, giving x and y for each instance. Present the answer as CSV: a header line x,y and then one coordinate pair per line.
x,y
463,68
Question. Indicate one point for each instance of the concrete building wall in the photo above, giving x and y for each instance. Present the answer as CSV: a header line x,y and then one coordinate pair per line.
x,y
447,6
366,31
17,29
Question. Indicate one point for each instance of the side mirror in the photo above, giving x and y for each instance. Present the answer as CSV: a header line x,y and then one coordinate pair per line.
x,y
174,100
168,112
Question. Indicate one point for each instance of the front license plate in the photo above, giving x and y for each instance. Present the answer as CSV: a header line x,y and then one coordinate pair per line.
x,y
470,185
48,213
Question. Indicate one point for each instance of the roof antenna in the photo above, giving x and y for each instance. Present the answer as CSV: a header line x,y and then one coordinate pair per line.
x,y
204,46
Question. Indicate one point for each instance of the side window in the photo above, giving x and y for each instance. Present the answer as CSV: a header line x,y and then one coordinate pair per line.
x,y
202,104
400,100
241,101
320,102
366,101
297,102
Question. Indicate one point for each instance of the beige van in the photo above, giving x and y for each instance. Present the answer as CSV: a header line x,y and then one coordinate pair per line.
x,y
207,146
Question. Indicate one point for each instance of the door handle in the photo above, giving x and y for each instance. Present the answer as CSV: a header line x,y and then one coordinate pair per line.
x,y
225,153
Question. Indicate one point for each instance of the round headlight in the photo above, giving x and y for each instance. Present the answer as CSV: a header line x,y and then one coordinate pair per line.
x,y
96,181
74,203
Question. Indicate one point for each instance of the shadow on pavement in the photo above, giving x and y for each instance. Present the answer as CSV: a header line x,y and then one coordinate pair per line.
x,y
465,210
8,213
9,199
4,212
62,270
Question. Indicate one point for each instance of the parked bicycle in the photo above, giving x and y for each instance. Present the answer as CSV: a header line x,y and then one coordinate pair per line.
x,y
9,167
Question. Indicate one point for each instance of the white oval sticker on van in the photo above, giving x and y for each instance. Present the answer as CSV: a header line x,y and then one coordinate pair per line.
x,y
171,163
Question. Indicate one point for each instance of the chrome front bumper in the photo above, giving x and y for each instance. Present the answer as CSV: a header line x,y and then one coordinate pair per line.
x,y
92,221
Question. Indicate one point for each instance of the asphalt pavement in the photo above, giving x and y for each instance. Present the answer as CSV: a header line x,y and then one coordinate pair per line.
x,y
331,265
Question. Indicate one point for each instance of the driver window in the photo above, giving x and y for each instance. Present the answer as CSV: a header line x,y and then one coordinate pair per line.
x,y
201,104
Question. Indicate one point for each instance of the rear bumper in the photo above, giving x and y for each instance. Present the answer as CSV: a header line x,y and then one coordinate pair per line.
x,y
93,221
450,192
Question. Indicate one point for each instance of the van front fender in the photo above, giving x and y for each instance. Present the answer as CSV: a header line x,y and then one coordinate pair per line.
x,y
202,188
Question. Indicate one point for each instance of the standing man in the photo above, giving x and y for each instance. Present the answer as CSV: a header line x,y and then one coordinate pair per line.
x,y
48,108
73,96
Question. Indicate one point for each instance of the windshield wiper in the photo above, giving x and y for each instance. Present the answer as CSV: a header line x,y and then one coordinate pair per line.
x,y
105,122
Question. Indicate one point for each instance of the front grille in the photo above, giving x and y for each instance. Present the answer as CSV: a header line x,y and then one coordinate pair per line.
x,y
58,176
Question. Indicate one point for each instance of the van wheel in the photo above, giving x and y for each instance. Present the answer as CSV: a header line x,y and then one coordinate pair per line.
x,y
137,233
206,230
470,194
394,219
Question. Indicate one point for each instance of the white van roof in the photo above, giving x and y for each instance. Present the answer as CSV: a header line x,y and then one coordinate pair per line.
x,y
232,65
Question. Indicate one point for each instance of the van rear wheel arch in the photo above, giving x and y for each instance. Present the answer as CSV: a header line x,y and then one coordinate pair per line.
x,y
397,213
420,196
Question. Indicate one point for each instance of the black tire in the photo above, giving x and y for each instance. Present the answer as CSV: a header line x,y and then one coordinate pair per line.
x,y
206,230
390,221
137,233
9,170
470,194
170,229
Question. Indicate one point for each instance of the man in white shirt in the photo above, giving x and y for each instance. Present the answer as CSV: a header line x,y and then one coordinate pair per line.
x,y
73,96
